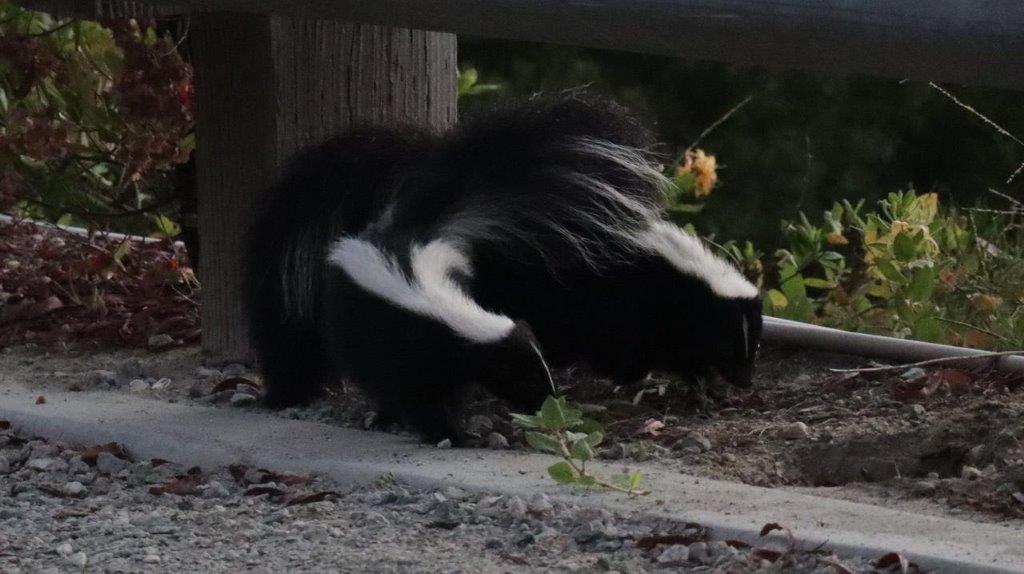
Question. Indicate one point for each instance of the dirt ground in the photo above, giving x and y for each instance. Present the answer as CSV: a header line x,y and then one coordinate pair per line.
x,y
941,441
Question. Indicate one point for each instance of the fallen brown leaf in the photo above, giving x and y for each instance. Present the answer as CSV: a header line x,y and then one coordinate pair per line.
x,y
182,485
90,453
40,400
767,554
893,559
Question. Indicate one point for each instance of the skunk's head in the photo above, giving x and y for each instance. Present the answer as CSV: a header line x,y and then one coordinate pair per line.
x,y
720,310
735,339
512,367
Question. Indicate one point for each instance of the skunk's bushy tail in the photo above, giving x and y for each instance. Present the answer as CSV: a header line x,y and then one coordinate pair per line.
x,y
570,178
330,190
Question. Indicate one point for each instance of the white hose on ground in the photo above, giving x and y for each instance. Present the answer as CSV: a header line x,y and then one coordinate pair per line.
x,y
111,235
806,336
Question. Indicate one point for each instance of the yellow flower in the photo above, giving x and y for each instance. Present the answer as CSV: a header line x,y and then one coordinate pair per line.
x,y
703,167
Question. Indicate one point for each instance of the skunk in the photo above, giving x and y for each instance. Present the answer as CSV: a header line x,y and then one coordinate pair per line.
x,y
414,265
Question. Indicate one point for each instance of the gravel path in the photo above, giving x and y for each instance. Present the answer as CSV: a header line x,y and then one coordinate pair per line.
x,y
91,508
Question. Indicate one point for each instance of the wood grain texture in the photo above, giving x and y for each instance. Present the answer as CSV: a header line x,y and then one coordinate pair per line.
x,y
267,86
971,41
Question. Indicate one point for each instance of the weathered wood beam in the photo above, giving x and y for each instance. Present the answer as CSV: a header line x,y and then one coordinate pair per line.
x,y
970,41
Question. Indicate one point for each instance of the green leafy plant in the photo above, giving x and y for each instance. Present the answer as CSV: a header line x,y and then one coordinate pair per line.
x,y
467,84
93,118
562,431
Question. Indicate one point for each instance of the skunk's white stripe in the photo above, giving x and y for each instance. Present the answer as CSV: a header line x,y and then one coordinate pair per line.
x,y
687,254
432,292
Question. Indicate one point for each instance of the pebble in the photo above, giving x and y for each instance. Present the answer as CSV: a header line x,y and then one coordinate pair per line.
x,y
215,489
924,487
915,410
78,559
699,552
138,385
128,369
234,370
446,443
479,424
161,384
46,464
794,431
242,400
151,559
497,441
64,549
5,465
109,464
101,378
693,440
616,451
911,375
74,488
970,473
160,341
675,554
540,504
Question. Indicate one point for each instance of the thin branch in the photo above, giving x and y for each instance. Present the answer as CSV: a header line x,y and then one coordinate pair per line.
x,y
981,116
973,327
722,120
1015,173
1016,204
57,28
940,360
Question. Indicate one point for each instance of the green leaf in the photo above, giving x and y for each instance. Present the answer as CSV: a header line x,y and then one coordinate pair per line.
x,y
65,220
586,480
904,247
590,426
687,207
778,300
581,450
922,284
562,472
121,251
889,271
467,78
595,438
817,283
634,481
526,421
543,442
166,227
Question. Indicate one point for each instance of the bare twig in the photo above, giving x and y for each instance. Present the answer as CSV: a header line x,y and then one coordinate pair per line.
x,y
940,360
973,327
978,114
722,120
1015,173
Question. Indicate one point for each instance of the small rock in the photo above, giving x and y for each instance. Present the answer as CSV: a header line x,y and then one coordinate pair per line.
x,y
497,441
64,549
454,493
215,489
242,400
915,410
446,443
699,552
516,507
693,440
151,558
208,373
540,504
234,370
5,465
479,425
794,431
933,475
924,488
109,464
46,464
1018,496
591,409
161,384
369,419
248,389
616,451
128,369
970,473
914,374
78,559
101,378
160,341
219,397
976,454
74,488
728,457
800,380
138,385
675,554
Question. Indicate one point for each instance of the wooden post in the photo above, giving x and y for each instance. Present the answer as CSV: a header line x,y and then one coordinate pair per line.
x,y
269,85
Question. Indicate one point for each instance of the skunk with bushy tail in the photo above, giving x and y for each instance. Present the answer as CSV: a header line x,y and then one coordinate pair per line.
x,y
414,265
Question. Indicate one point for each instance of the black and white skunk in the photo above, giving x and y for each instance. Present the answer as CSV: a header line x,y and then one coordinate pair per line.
x,y
414,266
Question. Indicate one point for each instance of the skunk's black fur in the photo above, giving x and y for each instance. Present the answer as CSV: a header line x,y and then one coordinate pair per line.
x,y
544,205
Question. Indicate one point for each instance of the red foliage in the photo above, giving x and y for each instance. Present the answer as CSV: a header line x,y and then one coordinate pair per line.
x,y
55,286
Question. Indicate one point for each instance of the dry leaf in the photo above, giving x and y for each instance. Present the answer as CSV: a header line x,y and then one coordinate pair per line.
x,y
90,453
40,400
892,559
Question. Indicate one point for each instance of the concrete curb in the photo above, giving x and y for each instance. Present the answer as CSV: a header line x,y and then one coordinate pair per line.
x,y
211,437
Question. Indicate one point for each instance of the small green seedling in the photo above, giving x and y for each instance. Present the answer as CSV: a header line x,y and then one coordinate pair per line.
x,y
562,431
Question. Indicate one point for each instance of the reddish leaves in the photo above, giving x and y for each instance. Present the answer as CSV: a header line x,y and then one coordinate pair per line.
x,y
56,287
272,484
937,382
90,453
692,532
183,484
893,562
